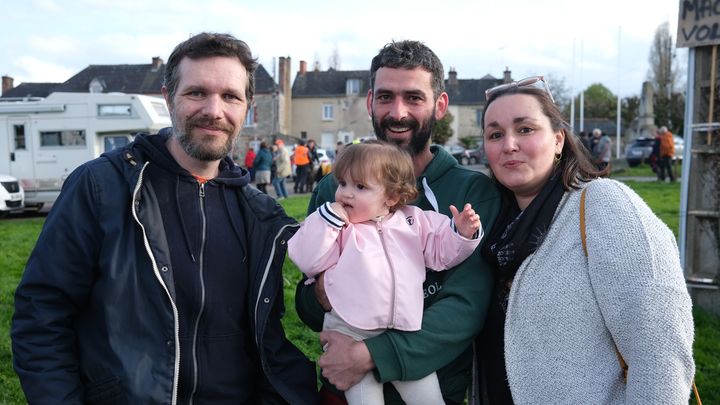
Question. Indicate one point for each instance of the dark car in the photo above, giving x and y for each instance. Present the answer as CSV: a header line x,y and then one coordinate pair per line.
x,y
459,153
477,156
639,151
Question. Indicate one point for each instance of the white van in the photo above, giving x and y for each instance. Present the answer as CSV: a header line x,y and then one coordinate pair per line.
x,y
12,196
42,140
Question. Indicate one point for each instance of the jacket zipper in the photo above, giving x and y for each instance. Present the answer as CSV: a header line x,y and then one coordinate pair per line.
x,y
266,271
393,305
201,195
156,271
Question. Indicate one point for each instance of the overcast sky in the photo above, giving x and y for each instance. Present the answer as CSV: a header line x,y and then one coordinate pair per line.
x,y
580,41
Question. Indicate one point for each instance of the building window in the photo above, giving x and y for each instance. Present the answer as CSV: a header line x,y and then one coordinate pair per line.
x,y
328,112
114,110
19,137
62,138
478,117
352,87
250,117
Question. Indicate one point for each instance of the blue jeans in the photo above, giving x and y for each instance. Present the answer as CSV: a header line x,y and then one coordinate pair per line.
x,y
279,184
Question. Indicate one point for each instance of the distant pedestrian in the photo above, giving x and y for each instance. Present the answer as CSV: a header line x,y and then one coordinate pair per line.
x,y
262,164
667,153
654,158
601,149
281,159
301,158
249,160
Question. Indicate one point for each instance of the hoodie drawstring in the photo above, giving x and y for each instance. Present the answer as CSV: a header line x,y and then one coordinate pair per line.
x,y
429,194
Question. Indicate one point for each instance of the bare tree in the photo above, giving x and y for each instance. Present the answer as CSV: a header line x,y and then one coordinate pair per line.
x,y
664,76
334,59
559,90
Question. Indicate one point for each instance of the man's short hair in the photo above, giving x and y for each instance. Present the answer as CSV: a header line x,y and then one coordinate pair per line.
x,y
206,45
409,55
597,131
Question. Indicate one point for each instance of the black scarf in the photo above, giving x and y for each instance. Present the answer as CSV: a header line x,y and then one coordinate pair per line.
x,y
517,234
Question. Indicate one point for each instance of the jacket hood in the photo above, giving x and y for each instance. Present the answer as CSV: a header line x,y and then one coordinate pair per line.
x,y
154,149
441,163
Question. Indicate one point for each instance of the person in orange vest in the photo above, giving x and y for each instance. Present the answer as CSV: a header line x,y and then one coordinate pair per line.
x,y
301,157
249,161
667,152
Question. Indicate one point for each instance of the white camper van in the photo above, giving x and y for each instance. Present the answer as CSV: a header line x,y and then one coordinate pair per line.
x,y
42,140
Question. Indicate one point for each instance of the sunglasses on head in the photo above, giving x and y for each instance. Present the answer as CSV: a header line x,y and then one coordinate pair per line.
x,y
537,82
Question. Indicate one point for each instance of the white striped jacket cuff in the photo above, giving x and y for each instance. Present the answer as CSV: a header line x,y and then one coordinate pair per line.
x,y
332,218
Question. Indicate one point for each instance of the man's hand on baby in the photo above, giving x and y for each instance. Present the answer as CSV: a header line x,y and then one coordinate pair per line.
x,y
467,222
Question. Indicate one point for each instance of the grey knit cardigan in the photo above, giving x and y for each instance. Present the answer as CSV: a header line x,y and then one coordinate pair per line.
x,y
567,312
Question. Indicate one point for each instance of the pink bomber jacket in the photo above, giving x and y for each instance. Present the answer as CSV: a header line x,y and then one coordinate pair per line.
x,y
375,270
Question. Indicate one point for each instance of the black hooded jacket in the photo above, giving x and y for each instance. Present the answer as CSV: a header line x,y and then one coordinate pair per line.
x,y
113,309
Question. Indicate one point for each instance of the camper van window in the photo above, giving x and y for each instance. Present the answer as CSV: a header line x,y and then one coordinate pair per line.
x,y
112,142
19,137
114,110
62,138
160,109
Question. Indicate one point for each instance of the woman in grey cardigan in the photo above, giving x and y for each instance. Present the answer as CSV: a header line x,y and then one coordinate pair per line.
x,y
562,316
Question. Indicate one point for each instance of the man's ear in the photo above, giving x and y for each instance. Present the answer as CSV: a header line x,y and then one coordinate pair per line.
x,y
441,105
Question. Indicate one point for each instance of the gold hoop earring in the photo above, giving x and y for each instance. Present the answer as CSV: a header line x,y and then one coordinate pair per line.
x,y
558,157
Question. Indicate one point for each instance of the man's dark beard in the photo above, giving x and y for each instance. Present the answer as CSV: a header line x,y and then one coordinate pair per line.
x,y
195,147
420,132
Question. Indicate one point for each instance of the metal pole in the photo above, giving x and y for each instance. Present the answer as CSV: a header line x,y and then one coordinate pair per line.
x,y
687,160
582,91
572,91
619,117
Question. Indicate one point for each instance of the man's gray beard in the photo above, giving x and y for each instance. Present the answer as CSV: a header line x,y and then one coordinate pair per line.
x,y
196,149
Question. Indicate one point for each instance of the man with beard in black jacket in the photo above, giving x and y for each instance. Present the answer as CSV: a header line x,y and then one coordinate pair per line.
x,y
157,277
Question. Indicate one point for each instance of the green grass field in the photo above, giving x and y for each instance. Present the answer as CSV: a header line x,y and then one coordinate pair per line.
x,y
17,237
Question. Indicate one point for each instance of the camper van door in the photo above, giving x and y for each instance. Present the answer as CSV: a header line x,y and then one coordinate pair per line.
x,y
20,156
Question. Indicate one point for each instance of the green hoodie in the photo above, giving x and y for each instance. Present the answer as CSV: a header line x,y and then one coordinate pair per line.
x,y
455,300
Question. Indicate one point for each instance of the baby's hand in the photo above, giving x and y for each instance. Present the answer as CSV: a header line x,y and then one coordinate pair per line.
x,y
339,210
467,222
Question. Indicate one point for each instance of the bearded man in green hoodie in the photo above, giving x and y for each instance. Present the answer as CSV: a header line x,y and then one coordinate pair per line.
x,y
405,99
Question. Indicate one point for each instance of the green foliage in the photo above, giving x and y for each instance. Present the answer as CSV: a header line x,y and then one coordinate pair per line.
x,y
468,142
599,102
303,337
663,198
442,131
707,356
629,109
18,236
